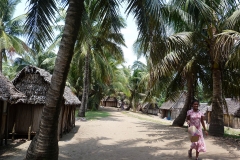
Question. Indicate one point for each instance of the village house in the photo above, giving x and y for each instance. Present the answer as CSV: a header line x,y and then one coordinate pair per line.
x,y
109,102
231,114
24,117
8,95
150,108
170,110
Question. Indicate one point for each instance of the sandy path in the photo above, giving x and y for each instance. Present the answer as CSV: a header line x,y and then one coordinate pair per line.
x,y
122,136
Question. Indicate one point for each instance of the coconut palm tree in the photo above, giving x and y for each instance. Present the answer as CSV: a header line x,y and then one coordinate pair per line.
x,y
207,21
10,30
98,39
45,143
42,60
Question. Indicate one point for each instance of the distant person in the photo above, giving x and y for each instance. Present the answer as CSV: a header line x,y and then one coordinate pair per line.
x,y
195,118
122,105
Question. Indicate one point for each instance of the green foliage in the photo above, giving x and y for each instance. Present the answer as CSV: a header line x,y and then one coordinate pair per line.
x,y
9,70
44,60
10,29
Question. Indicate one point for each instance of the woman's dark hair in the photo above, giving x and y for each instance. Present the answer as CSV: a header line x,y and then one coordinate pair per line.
x,y
195,100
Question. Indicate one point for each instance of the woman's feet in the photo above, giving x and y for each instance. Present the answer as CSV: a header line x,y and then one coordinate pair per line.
x,y
190,153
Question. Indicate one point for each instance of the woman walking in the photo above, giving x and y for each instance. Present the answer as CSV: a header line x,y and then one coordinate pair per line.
x,y
195,118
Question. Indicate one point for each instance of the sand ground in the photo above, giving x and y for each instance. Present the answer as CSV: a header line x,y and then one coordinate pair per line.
x,y
128,136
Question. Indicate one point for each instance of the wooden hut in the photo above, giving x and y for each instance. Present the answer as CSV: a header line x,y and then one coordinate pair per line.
x,y
150,108
109,102
24,118
203,107
8,95
232,119
170,110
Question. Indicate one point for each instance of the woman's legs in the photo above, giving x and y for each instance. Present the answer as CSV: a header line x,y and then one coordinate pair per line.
x,y
190,153
197,154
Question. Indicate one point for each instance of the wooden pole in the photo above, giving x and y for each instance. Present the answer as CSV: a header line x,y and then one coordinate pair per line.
x,y
6,126
13,131
29,132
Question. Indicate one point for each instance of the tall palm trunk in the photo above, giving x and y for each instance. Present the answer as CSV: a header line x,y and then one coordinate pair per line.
x,y
180,120
216,127
1,63
45,143
84,102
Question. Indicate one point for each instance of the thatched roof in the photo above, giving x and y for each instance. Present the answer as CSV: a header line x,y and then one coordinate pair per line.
x,y
150,105
169,105
203,107
34,82
70,98
233,107
110,99
8,92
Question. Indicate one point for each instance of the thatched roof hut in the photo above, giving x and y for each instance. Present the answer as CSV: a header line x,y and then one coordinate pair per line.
x,y
35,88
233,107
170,109
150,108
109,102
34,83
232,117
8,95
8,92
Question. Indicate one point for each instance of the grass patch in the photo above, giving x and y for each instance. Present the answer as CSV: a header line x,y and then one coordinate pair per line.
x,y
93,115
231,133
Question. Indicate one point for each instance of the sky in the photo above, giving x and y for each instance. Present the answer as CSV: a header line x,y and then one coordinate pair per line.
x,y
130,33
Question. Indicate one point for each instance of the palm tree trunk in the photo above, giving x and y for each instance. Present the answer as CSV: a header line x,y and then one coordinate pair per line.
x,y
84,103
1,63
180,120
216,127
45,143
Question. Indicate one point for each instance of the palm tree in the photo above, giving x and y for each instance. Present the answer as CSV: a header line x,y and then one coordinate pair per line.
x,y
101,38
44,60
9,70
10,29
207,21
45,143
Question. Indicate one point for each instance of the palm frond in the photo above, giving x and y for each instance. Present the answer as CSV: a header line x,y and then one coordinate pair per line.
x,y
40,17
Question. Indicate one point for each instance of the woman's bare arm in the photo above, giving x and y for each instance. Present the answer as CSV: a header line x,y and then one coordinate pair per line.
x,y
188,120
203,124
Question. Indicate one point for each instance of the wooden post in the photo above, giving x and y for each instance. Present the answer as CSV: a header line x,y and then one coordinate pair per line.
x,y
6,126
13,131
237,120
29,132
228,120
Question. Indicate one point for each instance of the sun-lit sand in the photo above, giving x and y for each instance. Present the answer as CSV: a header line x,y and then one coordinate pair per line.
x,y
128,136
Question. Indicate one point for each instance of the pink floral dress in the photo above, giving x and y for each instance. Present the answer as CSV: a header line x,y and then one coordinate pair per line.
x,y
195,120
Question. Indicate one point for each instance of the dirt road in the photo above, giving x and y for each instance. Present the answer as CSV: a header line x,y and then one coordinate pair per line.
x,y
129,136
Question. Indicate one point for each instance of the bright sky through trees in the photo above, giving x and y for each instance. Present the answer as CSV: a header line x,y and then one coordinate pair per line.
x,y
130,33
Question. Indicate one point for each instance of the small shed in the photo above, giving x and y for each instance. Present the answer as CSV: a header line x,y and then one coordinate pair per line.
x,y
203,107
109,102
24,117
8,95
171,109
150,108
232,119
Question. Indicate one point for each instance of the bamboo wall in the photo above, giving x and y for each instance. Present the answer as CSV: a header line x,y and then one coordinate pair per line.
x,y
23,116
110,103
175,112
153,111
229,121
